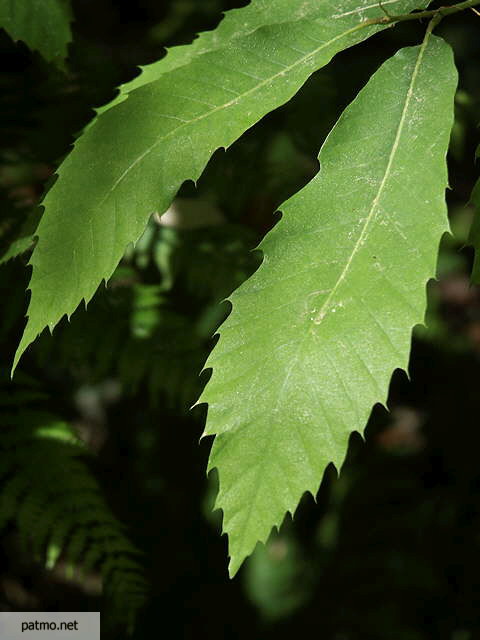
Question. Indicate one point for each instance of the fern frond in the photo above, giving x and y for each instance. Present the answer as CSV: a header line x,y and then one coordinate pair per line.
x,y
50,496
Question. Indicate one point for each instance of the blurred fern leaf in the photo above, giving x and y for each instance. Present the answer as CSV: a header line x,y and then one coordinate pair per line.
x,y
51,497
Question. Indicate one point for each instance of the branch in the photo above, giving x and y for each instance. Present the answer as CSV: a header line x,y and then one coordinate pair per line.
x,y
420,15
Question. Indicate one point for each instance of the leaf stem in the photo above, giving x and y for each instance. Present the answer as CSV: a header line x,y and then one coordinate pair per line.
x,y
420,15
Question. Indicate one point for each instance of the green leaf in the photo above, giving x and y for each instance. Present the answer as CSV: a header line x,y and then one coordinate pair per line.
x,y
44,25
134,158
235,24
18,246
317,331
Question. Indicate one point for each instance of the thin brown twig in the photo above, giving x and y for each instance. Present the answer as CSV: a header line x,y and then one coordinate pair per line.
x,y
419,15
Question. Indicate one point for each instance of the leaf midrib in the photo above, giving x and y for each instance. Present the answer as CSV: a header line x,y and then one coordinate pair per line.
x,y
364,232
371,215
362,9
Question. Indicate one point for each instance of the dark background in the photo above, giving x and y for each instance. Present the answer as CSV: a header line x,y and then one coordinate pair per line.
x,y
388,550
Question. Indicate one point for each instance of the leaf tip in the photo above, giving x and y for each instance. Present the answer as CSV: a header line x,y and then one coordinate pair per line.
x,y
18,354
234,565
